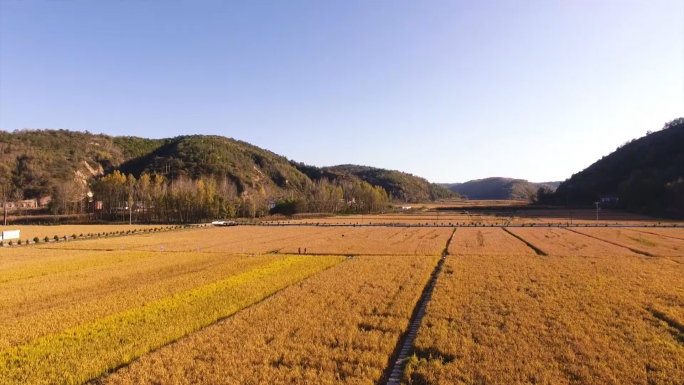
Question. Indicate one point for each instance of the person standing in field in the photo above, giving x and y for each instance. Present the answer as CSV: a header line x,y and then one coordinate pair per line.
x,y
299,251
305,250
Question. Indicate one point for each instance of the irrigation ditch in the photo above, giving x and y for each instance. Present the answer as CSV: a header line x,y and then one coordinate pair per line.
x,y
404,348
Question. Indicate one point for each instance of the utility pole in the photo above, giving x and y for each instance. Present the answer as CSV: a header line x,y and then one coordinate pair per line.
x,y
4,207
598,208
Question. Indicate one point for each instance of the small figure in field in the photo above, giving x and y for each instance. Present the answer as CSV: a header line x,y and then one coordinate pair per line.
x,y
305,250
299,251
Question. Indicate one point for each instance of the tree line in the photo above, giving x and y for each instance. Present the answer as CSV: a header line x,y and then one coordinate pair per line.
x,y
154,198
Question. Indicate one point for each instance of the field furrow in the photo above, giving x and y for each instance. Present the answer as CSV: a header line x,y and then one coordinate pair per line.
x,y
562,242
638,240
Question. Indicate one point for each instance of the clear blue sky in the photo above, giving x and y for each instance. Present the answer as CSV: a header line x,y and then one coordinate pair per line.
x,y
448,90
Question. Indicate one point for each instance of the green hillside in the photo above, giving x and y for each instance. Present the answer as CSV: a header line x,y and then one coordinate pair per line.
x,y
66,165
249,167
33,162
646,174
400,185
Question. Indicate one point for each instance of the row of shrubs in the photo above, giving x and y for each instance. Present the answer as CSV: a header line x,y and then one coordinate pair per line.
x,y
90,235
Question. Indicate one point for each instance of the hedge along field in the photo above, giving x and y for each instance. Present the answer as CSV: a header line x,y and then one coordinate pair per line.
x,y
31,231
338,327
80,352
545,319
407,219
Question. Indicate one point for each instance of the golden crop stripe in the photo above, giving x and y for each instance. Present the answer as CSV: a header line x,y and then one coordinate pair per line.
x,y
57,267
121,335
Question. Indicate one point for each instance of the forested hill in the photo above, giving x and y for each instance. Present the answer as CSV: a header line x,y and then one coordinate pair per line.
x,y
646,174
400,185
37,163
499,188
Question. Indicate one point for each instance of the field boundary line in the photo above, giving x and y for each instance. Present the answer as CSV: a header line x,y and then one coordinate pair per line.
x,y
51,240
646,253
659,235
393,372
530,245
99,380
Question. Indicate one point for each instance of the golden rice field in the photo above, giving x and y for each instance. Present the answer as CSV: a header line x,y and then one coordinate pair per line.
x,y
240,305
487,240
668,233
338,327
108,308
566,242
277,239
640,241
613,319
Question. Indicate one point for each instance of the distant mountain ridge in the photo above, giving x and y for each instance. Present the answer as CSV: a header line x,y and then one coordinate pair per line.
x,y
402,186
499,188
